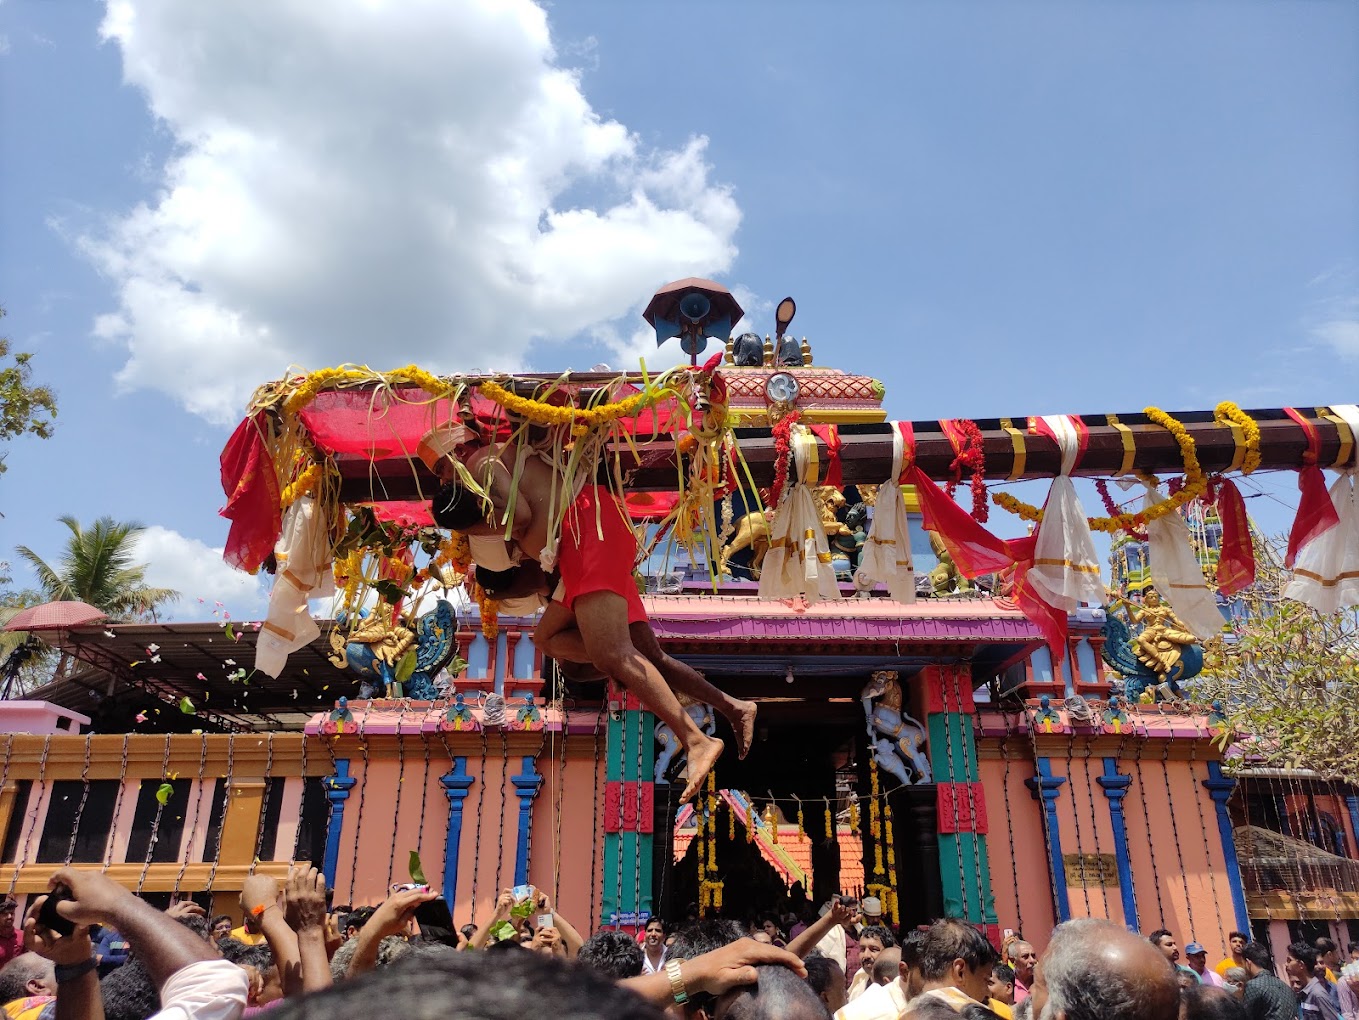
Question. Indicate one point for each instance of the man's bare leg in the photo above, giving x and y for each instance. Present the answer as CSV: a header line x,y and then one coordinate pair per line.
x,y
558,636
684,678
602,617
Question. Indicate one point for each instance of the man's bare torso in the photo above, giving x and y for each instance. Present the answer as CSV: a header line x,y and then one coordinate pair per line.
x,y
532,503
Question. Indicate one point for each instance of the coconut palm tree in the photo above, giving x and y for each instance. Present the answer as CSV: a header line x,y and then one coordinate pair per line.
x,y
97,568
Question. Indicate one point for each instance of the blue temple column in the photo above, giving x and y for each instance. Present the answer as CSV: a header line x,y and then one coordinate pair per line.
x,y
337,792
1115,787
456,784
1220,788
526,786
1048,788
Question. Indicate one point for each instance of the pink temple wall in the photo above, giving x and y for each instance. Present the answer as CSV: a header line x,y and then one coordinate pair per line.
x,y
1198,887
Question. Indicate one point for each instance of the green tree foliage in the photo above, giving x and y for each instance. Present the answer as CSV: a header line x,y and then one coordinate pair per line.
x,y
1288,677
25,409
97,568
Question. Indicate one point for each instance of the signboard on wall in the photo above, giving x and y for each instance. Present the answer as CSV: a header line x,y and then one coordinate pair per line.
x,y
1091,871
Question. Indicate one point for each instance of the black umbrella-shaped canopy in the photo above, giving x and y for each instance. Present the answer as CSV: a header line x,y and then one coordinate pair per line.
x,y
664,303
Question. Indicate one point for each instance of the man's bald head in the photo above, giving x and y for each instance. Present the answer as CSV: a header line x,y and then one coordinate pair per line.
x,y
1095,970
887,966
778,994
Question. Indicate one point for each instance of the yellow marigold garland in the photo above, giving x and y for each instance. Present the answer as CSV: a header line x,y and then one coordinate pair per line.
x,y
314,382
582,419
1195,484
301,486
1229,412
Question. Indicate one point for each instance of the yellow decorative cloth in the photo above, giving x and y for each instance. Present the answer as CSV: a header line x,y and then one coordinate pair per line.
x,y
886,555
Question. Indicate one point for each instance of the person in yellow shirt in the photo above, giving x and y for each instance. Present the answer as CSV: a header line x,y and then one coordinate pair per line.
x,y
249,932
1237,940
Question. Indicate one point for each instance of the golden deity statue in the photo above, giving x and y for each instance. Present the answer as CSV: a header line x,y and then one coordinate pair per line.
x,y
1160,644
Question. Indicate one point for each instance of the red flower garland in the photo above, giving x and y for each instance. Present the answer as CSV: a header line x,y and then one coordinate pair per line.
x,y
783,444
1114,510
970,453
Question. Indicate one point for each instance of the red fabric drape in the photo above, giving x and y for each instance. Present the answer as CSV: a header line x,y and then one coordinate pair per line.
x,y
1316,512
1050,621
975,550
830,435
1236,552
251,489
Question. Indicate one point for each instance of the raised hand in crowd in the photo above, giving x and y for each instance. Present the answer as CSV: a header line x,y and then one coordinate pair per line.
x,y
808,938
304,899
571,940
716,972
184,908
77,974
393,917
262,899
504,904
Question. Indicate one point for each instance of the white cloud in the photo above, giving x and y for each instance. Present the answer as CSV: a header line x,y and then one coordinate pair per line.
x,y
200,575
386,182
1341,334
1334,314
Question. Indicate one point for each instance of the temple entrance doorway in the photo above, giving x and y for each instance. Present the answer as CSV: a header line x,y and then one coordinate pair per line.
x,y
803,755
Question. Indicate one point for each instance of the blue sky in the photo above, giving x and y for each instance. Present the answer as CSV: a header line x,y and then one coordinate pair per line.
x,y
995,208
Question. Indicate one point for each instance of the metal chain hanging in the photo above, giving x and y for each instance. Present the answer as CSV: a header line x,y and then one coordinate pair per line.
x,y
226,807
1031,717
500,829
363,788
155,822
424,791
1094,818
596,837
197,809
963,725
265,802
481,801
35,796
622,757
952,775
1146,822
1175,833
84,796
637,842
1203,825
301,803
1009,819
1076,821
400,785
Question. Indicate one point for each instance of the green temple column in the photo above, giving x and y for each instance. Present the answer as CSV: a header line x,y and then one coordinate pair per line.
x,y
960,806
629,814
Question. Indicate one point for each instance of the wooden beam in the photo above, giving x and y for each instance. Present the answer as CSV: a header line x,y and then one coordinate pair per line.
x,y
867,450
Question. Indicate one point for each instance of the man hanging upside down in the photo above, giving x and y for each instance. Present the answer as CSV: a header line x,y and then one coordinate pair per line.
x,y
598,616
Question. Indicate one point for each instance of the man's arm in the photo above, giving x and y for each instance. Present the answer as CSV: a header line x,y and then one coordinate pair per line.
x,y
571,939
715,972
815,932
260,896
164,946
391,918
304,899
78,995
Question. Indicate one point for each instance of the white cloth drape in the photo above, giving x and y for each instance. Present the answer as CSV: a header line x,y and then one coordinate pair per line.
x,y
886,555
304,572
798,561
493,553
1326,574
1177,574
1066,569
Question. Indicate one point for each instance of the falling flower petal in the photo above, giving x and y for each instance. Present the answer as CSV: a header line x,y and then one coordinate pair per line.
x,y
141,717
202,677
231,662
164,793
109,634
152,649
155,658
137,663
186,706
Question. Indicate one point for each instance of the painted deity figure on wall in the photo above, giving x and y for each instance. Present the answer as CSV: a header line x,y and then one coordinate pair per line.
x,y
898,740
703,717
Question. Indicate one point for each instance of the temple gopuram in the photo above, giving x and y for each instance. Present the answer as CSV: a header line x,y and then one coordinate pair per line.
x,y
958,723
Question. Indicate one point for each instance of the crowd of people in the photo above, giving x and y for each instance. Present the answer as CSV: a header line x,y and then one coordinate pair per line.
x,y
92,950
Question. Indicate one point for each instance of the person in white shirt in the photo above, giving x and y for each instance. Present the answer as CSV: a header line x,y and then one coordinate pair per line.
x,y
872,941
653,946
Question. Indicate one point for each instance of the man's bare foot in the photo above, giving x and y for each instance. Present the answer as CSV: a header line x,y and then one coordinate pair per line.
x,y
742,719
701,758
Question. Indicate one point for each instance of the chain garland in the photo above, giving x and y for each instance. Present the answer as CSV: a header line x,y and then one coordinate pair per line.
x,y
1009,820
1094,817
963,725
500,829
1031,717
400,785
302,802
424,792
596,837
1076,819
1203,826
1175,833
1146,821
637,864
481,801
363,787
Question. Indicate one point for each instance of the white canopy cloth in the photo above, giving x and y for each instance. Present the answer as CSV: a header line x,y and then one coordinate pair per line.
x,y
1177,574
886,555
1066,569
798,562
1326,574
303,573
